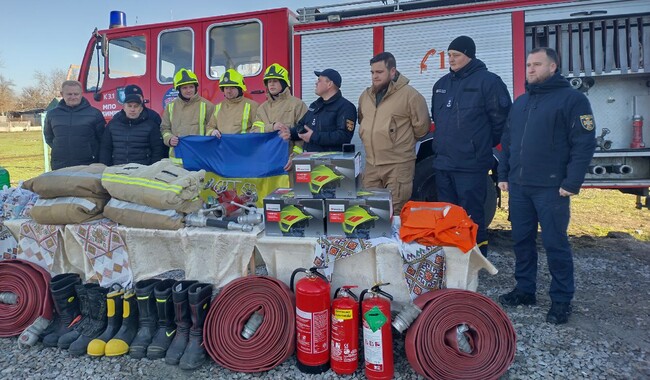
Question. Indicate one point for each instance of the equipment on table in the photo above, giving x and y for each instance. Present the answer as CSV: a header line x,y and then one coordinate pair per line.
x,y
312,320
200,220
377,334
344,356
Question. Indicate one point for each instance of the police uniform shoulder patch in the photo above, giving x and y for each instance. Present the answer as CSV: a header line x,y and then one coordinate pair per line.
x,y
587,122
349,124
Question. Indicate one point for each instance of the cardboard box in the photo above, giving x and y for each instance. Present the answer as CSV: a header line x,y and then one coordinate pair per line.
x,y
286,215
326,174
368,216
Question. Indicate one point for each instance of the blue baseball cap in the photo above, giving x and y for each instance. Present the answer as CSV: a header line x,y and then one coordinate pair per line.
x,y
330,74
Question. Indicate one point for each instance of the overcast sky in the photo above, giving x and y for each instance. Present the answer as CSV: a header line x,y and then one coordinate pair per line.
x,y
46,35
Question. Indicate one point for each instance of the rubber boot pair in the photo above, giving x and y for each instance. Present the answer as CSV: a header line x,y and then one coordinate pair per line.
x,y
119,344
92,299
183,321
114,313
199,296
66,305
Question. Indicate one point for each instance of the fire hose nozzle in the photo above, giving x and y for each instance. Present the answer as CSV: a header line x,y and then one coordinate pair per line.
x,y
244,219
405,317
8,298
250,209
252,325
197,220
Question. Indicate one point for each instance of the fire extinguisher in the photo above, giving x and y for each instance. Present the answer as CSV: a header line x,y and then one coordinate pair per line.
x,y
637,132
312,320
344,357
377,334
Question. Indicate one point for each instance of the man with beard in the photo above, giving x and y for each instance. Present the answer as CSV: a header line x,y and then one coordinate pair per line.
x,y
392,116
235,114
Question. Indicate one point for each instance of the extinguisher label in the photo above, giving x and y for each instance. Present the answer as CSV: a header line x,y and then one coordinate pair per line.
x,y
372,348
343,314
313,331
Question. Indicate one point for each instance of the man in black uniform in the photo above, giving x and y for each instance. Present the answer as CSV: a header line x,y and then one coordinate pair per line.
x,y
330,120
548,143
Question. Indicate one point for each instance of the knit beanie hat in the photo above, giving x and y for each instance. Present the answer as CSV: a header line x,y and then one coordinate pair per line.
x,y
464,45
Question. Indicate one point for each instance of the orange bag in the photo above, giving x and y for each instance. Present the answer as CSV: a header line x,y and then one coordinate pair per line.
x,y
437,223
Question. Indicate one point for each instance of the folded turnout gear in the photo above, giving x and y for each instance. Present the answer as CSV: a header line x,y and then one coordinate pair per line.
x,y
67,210
136,215
162,185
75,181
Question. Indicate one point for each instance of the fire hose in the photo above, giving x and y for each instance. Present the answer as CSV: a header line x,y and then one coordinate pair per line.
x,y
460,335
31,285
250,326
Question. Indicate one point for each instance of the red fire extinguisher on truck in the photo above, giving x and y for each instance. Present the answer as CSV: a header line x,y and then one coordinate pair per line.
x,y
344,356
312,320
377,334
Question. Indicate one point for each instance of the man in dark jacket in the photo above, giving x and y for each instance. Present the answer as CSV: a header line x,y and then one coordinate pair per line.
x,y
330,120
132,136
133,89
73,129
469,107
548,143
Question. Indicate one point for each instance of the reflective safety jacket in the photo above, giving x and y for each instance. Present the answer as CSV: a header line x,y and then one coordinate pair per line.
x,y
283,108
390,129
183,118
233,116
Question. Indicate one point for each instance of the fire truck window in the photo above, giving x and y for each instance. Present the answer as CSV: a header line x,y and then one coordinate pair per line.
x,y
95,73
127,57
236,46
175,52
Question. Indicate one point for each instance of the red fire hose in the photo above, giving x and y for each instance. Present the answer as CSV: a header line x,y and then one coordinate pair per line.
x,y
432,342
274,340
31,284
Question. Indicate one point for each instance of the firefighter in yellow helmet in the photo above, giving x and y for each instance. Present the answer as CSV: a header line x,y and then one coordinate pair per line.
x,y
186,115
281,109
235,114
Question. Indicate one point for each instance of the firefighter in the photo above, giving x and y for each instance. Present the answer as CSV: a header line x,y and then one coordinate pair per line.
x,y
392,116
281,109
548,143
330,120
186,115
469,107
235,114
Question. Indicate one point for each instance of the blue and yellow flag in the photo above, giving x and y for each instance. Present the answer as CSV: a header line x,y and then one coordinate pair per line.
x,y
244,162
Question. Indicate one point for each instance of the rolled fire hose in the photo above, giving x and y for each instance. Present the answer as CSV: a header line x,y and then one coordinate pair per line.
x,y
243,300
434,345
31,285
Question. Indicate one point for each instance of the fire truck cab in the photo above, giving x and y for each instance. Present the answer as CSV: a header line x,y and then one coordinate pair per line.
x,y
603,45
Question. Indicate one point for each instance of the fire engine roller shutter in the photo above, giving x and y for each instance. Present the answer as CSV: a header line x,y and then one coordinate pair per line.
x,y
348,52
410,42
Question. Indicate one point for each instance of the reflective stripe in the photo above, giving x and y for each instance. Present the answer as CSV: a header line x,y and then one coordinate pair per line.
x,y
123,205
202,119
143,182
176,161
297,150
216,110
245,117
259,124
88,205
170,110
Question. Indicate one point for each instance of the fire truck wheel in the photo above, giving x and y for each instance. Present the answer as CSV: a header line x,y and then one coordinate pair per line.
x,y
424,187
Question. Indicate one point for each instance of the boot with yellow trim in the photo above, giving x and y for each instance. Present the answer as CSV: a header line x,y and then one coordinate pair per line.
x,y
114,306
166,325
66,305
147,321
119,344
199,296
182,319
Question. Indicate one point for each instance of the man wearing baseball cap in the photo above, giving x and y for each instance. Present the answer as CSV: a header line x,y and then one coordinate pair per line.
x,y
469,107
133,89
330,120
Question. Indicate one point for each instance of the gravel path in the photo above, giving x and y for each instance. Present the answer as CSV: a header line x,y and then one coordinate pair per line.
x,y
606,338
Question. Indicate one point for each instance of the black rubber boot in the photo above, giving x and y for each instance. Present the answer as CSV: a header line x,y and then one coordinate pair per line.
x,y
66,305
166,326
147,319
84,304
183,322
114,306
119,344
96,322
199,296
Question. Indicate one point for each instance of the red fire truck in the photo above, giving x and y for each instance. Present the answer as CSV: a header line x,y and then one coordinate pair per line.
x,y
604,47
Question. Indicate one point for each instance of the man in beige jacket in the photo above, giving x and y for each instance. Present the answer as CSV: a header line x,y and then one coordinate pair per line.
x,y
186,115
392,116
235,114
281,109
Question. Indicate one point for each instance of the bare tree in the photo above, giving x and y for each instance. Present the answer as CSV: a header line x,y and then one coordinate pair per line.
x,y
7,97
48,87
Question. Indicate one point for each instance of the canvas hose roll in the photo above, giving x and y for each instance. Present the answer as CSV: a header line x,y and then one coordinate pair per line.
x,y
31,285
438,348
269,339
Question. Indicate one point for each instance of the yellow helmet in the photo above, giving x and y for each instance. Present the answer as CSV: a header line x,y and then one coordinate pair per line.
x,y
275,71
183,77
231,78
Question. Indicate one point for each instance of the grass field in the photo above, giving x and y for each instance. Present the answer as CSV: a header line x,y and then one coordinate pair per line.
x,y
594,212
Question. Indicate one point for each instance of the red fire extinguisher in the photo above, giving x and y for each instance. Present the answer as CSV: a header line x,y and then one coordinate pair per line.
x,y
377,335
344,357
637,132
312,320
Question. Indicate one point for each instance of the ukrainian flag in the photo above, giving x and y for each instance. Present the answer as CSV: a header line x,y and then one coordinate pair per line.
x,y
245,162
